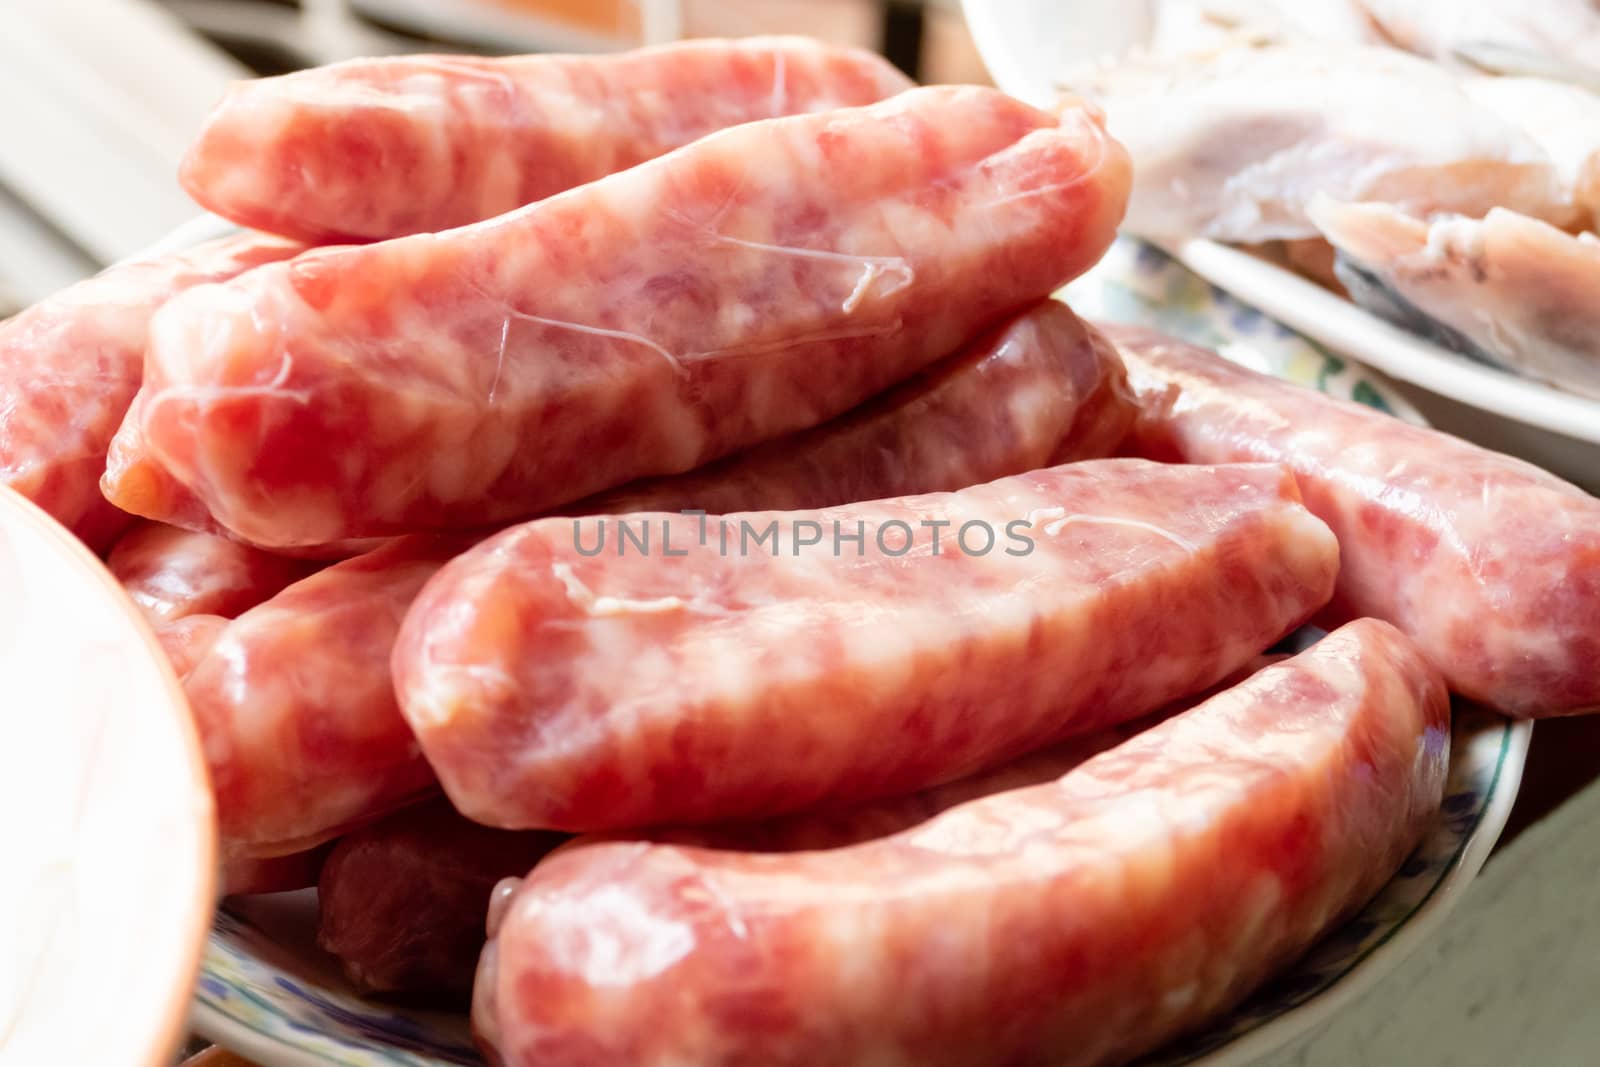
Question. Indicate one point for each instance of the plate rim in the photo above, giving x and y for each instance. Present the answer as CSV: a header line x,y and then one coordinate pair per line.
x,y
166,1032
1407,936
240,1037
1309,309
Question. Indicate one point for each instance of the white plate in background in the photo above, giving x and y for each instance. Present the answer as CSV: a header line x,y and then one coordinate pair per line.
x,y
1029,44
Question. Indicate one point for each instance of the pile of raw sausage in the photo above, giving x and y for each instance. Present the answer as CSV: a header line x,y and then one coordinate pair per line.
x,y
685,454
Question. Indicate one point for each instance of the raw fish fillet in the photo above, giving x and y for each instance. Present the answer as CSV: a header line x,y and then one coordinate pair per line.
x,y
171,572
1507,289
1564,119
1491,565
70,365
1075,923
374,148
1233,143
1565,29
1041,389
1185,25
753,283
556,686
1315,259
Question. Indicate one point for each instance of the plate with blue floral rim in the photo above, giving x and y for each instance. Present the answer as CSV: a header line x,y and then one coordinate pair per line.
x,y
268,993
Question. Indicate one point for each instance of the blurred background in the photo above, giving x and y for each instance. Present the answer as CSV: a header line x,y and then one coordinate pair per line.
x,y
101,96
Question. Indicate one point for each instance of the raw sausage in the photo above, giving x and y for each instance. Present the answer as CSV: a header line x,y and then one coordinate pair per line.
x,y
402,903
186,641
756,282
1045,385
1075,923
835,828
70,365
1490,564
138,481
781,664
171,572
375,148
296,713
133,477
131,473
1039,390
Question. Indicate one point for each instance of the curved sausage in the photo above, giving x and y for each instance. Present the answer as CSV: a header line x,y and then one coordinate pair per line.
x,y
835,828
375,148
1040,389
171,572
1490,564
188,640
778,666
756,282
71,364
403,902
296,714
1036,369
1078,922
143,486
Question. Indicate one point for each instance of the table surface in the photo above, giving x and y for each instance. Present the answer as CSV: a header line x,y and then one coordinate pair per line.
x,y
1563,759
1510,976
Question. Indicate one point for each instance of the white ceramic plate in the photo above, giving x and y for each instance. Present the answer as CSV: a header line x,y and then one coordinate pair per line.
x,y
267,992
109,833
1028,44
